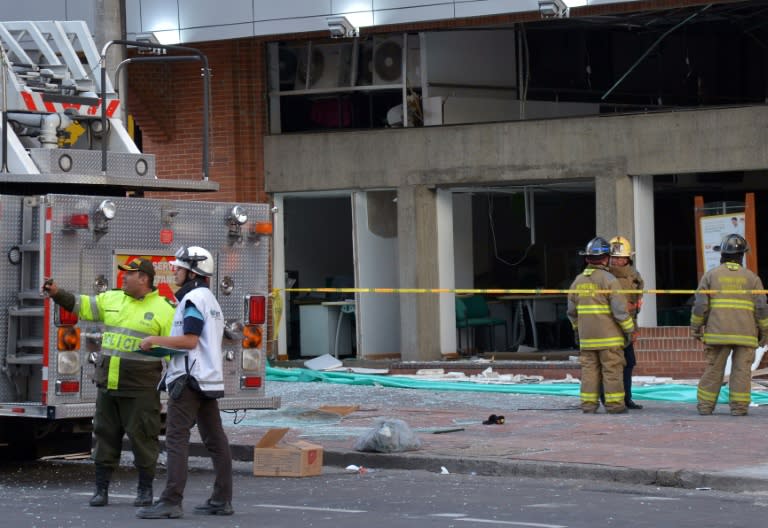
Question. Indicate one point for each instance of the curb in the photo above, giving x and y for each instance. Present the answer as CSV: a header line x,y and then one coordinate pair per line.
x,y
679,478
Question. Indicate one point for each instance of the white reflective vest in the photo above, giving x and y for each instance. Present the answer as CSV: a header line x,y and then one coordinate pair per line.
x,y
205,360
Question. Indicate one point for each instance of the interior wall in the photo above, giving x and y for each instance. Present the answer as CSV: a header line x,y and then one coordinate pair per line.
x,y
462,241
376,263
504,256
318,239
446,271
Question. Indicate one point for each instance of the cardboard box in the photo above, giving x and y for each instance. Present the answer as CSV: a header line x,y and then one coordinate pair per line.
x,y
294,459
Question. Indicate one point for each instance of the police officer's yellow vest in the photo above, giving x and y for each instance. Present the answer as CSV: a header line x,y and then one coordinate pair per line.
x,y
126,322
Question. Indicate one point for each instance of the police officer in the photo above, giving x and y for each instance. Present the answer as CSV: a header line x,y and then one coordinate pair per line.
x,y
194,381
602,328
621,267
729,320
127,400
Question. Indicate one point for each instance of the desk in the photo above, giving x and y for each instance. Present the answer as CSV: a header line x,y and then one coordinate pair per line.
x,y
537,311
324,329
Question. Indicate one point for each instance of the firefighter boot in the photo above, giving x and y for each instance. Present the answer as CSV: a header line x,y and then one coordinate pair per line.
x,y
144,490
101,495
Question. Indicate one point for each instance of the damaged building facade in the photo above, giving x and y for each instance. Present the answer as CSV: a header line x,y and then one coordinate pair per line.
x,y
466,145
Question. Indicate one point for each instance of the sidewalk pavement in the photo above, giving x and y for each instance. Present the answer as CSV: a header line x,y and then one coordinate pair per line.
x,y
664,444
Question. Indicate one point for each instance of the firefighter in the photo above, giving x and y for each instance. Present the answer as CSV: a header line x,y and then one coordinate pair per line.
x,y
194,381
602,327
127,400
622,268
729,320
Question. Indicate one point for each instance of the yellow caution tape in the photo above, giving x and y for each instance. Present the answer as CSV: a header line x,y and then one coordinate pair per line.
x,y
499,291
277,311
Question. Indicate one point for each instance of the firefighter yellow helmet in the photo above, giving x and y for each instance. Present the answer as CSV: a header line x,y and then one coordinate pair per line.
x,y
621,247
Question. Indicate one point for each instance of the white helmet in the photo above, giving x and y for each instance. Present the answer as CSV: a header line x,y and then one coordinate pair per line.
x,y
196,259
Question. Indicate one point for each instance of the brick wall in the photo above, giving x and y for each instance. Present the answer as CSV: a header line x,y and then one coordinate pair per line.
x,y
166,102
670,351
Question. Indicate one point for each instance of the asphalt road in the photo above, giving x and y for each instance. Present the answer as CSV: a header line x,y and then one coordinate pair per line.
x,y
55,494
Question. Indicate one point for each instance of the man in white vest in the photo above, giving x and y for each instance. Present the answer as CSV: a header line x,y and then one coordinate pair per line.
x,y
194,380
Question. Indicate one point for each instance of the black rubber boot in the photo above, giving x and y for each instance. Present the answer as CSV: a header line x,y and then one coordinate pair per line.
x,y
144,490
101,496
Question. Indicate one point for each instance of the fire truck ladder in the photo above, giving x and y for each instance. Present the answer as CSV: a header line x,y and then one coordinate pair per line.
x,y
24,353
46,62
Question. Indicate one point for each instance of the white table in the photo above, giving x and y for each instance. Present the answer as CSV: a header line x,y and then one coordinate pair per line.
x,y
522,303
324,329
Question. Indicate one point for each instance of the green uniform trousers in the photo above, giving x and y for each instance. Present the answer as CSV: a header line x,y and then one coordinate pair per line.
x,y
740,381
606,367
138,416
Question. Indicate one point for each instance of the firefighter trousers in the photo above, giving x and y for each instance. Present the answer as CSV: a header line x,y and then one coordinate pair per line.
x,y
740,381
606,367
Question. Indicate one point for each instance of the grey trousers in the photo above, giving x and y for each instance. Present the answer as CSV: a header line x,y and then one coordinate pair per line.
x,y
189,408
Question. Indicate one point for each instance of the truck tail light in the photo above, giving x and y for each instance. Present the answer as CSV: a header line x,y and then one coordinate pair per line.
x,y
256,305
262,228
77,221
67,387
250,382
252,359
66,317
68,362
252,336
68,338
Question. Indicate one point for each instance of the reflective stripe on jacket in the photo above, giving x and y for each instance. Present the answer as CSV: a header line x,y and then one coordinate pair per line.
x,y
601,319
730,317
126,322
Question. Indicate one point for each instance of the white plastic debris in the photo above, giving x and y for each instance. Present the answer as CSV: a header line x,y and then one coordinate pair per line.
x,y
352,468
444,470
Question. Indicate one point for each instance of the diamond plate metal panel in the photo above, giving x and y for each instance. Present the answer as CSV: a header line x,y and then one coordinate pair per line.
x,y
159,227
10,235
88,162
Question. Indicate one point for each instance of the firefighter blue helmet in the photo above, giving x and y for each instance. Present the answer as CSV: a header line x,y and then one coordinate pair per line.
x,y
597,247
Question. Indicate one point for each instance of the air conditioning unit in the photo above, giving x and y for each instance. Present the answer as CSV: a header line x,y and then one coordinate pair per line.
x,y
287,63
365,63
327,66
387,61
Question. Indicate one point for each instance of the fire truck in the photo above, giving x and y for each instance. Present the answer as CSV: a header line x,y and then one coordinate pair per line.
x,y
72,207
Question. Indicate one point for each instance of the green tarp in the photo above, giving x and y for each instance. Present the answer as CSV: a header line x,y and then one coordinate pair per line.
x,y
667,392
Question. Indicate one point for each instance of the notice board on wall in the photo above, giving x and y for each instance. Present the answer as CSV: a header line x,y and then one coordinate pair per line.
x,y
716,220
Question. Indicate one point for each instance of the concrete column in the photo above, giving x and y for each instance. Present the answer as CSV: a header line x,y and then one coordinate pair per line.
x,y
614,205
645,245
417,233
109,19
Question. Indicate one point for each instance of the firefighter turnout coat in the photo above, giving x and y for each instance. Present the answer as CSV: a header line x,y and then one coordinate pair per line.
x,y
600,319
730,316
630,279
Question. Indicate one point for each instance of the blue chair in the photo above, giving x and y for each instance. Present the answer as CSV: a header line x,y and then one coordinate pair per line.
x,y
478,315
